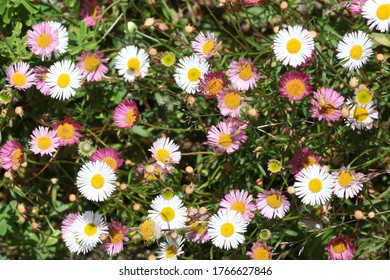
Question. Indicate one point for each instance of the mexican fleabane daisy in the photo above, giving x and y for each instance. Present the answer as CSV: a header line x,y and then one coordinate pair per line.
x,y
230,102
326,104
109,156
150,230
226,229
62,37
96,180
168,213
274,166
314,185
11,155
240,201
242,74
67,131
260,251
68,235
198,224
293,45
116,236
62,78
302,159
363,96
42,40
132,62
44,141
341,248
165,152
168,59
295,85
377,12
92,65
171,249
354,49
211,84
40,75
348,183
205,46
362,116
189,72
20,76
272,204
126,114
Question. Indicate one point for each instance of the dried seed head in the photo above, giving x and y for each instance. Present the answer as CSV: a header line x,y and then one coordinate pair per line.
x,y
21,208
189,28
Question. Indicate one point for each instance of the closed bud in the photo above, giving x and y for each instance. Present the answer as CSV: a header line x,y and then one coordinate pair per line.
x,y
149,22
371,215
189,28
189,170
358,215
284,5
72,197
202,210
345,112
153,52
21,208
291,190
354,82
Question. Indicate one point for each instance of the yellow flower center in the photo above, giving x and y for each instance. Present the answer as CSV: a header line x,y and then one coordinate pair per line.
x,y
345,178
167,214
95,11
214,86
65,131
19,79
168,194
227,229
16,154
209,48
383,12
63,80
293,46
110,162
274,201
168,59
245,72
133,64
43,41
232,100
239,206
274,166
261,253
194,74
363,96
200,229
115,235
295,88
225,140
339,247
97,181
171,251
360,114
147,230
91,63
90,229
44,142
162,155
131,117
315,185
356,52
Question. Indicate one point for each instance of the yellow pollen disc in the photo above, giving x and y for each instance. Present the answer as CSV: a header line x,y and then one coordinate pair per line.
x,y
214,86
308,162
225,140
274,201
293,46
110,162
115,235
15,155
227,229
44,142
363,96
356,52
63,80
162,155
194,74
295,88
133,64
274,166
383,12
239,207
168,59
147,230
19,79
91,63
65,131
232,100
43,41
131,117
360,114
261,253
167,214
327,109
245,72
315,185
90,229
339,247
171,251
345,178
97,181
200,229
209,48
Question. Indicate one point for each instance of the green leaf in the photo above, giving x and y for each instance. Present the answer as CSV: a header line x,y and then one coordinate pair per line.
x,y
140,131
28,6
3,227
383,39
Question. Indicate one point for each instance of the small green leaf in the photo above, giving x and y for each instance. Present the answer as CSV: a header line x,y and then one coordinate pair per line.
x,y
140,131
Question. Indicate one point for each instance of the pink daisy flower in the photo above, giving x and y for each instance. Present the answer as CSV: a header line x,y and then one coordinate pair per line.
x,y
20,76
90,12
326,103
116,236
272,203
200,233
66,224
295,85
42,39
126,114
40,76
340,248
205,46
11,154
230,102
44,141
241,202
242,74
260,251
211,84
91,65
302,159
348,183
67,131
109,156
355,6
252,2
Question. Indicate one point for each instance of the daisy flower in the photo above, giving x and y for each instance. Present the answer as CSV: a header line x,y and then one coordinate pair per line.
x,y
272,204
150,230
11,154
20,76
226,229
362,116
62,78
241,202
68,235
340,248
302,159
168,213
44,141
126,114
88,228
96,180
132,62
314,185
205,46
242,74
226,137
170,249
168,59
40,76
294,85
211,84
260,251
274,166
293,45
199,234
165,152
42,40
66,224
347,182
377,12
355,6
363,96
91,65
109,156
189,72
326,104
90,12
67,131
116,236
354,49
62,38
230,102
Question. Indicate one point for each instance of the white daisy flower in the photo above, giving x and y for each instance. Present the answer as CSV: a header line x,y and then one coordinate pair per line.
x,y
226,229
132,62
62,78
293,45
96,180
168,213
362,115
355,49
314,185
347,182
170,249
165,152
189,71
88,228
378,14
62,38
